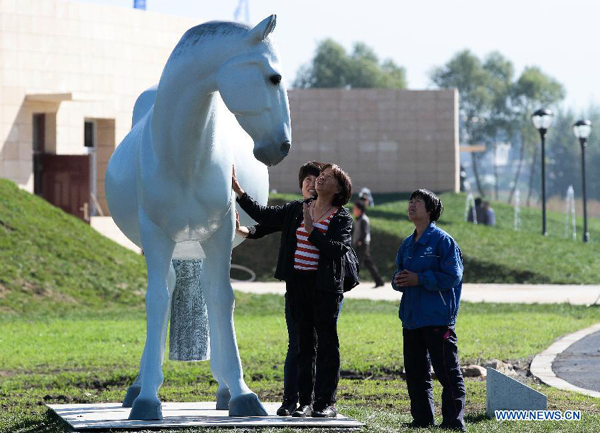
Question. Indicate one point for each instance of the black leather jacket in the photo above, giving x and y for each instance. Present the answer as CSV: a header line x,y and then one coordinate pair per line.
x,y
332,246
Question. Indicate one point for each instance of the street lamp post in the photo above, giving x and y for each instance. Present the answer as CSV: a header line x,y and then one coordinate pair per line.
x,y
542,119
582,130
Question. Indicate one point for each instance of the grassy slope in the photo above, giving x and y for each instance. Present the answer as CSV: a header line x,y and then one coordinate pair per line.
x,y
50,260
492,254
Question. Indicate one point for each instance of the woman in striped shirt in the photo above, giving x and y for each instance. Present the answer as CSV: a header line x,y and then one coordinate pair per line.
x,y
316,235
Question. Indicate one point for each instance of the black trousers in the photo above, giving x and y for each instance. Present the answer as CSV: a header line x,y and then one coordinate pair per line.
x,y
424,347
364,256
290,368
315,313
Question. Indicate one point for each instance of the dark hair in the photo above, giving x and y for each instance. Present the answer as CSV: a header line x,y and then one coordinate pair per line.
x,y
478,201
311,168
342,197
433,205
360,205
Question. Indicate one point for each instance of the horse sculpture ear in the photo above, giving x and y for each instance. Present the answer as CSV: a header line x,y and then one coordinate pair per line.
x,y
263,29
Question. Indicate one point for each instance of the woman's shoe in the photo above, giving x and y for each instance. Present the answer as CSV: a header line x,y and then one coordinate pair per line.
x,y
326,412
287,408
303,411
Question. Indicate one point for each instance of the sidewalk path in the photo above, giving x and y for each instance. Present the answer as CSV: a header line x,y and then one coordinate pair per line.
x,y
501,293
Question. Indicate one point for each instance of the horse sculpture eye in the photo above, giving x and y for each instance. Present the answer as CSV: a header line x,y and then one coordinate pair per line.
x,y
275,79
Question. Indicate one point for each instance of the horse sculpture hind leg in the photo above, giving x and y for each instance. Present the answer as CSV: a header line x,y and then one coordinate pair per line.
x,y
158,250
225,358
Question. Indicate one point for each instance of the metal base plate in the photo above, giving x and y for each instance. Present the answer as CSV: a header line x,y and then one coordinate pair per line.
x,y
104,416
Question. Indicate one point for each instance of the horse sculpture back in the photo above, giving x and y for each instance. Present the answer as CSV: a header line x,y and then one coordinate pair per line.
x,y
168,186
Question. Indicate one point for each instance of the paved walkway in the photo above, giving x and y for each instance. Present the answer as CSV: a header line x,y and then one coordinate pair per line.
x,y
579,364
500,293
571,363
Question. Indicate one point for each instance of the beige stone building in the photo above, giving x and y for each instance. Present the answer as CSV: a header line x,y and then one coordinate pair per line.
x,y
387,140
70,73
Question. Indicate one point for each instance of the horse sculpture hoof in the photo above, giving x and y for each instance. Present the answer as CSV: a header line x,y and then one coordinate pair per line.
x,y
223,397
132,392
146,409
247,405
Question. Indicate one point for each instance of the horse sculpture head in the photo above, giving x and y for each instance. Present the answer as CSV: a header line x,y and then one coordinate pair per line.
x,y
251,85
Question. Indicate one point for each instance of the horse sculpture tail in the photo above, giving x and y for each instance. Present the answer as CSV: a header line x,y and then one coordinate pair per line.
x,y
143,104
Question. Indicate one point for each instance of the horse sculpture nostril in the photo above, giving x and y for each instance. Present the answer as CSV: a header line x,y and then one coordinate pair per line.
x,y
285,148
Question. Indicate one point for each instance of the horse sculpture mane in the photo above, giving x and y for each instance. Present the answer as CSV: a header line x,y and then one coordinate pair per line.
x,y
220,101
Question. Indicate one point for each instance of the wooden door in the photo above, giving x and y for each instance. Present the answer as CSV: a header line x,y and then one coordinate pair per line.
x,y
66,183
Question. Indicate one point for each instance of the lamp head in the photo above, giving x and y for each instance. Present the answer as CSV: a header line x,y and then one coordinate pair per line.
x,y
582,129
542,119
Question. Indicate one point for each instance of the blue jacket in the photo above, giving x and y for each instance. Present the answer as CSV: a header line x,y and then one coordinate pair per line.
x,y
437,260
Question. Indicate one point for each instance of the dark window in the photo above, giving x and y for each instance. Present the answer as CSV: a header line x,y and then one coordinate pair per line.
x,y
89,139
39,132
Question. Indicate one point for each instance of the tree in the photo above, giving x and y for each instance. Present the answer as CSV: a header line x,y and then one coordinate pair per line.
x,y
492,107
532,90
564,155
466,73
332,67
499,125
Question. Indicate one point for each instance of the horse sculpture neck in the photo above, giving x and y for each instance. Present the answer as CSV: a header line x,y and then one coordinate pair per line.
x,y
188,88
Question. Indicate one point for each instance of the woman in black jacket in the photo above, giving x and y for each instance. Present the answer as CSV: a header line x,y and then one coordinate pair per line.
x,y
307,177
316,235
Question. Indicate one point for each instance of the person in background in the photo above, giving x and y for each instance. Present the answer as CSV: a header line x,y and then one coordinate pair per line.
x,y
489,215
429,275
476,216
367,197
306,179
361,241
316,237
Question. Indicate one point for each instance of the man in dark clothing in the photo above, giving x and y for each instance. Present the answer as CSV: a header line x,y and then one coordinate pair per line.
x,y
429,275
361,241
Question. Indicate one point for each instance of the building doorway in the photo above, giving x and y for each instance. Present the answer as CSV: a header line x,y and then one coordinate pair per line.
x,y
65,183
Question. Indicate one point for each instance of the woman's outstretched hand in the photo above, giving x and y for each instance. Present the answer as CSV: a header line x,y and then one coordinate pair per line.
x,y
237,188
308,221
240,229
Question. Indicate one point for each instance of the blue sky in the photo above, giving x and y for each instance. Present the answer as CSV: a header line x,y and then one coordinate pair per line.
x,y
560,36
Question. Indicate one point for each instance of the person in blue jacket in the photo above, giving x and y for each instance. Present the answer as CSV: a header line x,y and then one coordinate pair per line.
x,y
430,270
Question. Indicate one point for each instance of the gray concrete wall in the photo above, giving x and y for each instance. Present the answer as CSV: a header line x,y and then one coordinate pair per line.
x,y
387,140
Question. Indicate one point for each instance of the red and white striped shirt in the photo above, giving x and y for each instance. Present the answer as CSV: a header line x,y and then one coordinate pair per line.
x,y
306,257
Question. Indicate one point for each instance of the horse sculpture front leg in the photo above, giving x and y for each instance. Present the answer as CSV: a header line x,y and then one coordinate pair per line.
x,y
225,358
134,390
158,250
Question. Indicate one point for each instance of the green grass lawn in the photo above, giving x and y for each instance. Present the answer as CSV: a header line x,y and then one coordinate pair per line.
x,y
86,357
491,254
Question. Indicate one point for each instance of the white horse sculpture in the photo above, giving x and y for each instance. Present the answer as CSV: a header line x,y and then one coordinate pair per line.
x,y
168,186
